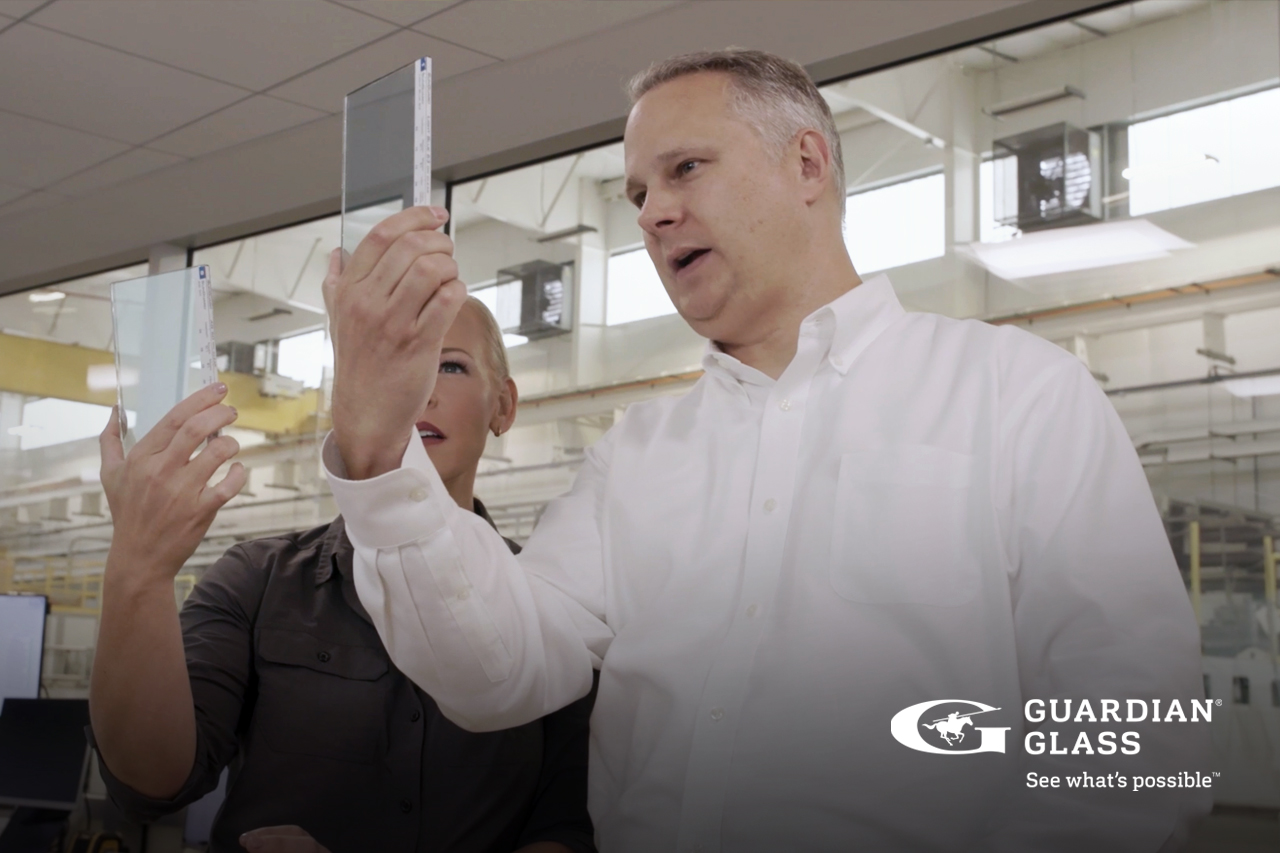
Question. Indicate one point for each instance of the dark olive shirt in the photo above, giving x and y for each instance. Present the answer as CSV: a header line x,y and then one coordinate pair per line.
x,y
294,690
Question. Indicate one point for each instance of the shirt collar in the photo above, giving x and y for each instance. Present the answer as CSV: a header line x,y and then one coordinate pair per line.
x,y
854,320
848,324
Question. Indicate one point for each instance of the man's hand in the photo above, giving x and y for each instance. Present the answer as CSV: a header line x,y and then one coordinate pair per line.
x,y
280,839
389,310
160,498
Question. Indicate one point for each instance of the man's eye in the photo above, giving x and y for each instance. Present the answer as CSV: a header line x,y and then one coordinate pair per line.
x,y
452,367
638,199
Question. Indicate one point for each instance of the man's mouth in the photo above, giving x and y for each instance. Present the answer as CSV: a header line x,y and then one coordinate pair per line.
x,y
684,259
429,432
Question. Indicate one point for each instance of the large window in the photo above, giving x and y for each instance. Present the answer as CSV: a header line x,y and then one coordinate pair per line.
x,y
634,290
1224,149
900,224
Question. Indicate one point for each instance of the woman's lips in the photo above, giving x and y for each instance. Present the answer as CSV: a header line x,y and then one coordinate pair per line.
x,y
429,433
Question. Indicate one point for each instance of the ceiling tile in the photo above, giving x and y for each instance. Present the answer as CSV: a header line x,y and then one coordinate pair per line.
x,y
9,192
508,30
131,164
257,116
254,45
402,12
37,153
18,8
71,82
325,87
31,201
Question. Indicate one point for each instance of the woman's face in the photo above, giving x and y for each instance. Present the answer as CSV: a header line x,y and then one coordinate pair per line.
x,y
467,404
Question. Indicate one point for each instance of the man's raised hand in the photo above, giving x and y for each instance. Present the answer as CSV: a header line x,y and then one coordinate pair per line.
x,y
389,310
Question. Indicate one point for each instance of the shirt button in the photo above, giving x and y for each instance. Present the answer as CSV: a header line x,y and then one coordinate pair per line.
x,y
785,405
836,362
406,806
770,505
752,611
418,495
717,714
415,716
323,657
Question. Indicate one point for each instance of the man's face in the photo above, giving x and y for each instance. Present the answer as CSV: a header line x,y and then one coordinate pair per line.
x,y
720,212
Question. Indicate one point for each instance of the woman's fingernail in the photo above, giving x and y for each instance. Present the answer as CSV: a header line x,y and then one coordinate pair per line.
x,y
220,387
235,413
440,212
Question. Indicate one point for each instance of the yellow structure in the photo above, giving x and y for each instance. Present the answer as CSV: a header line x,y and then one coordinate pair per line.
x,y
39,368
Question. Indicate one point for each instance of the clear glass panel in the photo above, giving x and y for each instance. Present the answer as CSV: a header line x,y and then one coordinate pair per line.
x,y
164,345
385,153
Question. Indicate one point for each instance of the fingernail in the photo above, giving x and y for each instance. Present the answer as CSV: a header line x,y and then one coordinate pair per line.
x,y
220,387
235,413
440,212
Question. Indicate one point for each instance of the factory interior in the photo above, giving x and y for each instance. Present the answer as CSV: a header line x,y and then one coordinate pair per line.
x,y
1103,175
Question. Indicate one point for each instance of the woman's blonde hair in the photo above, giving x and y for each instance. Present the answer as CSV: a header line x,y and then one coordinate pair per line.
x,y
495,351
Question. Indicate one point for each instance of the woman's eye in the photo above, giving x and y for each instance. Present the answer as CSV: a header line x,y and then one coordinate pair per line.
x,y
638,199
686,167
452,367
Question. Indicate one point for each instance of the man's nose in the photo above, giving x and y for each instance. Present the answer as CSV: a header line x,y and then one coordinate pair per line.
x,y
660,211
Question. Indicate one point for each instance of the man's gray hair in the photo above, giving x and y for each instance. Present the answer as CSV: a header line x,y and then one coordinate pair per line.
x,y
774,95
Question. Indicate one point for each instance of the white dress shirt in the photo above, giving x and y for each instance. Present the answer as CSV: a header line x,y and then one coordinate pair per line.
x,y
765,572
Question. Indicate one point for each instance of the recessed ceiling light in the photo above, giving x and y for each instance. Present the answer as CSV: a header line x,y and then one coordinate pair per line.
x,y
46,296
1079,247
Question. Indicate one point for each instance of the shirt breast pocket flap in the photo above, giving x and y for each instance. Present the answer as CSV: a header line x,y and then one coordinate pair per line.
x,y
902,532
321,699
295,648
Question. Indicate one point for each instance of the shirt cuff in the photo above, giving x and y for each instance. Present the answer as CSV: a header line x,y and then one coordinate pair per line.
x,y
394,508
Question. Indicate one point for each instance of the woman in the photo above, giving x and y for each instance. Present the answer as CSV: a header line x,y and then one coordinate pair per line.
x,y
274,669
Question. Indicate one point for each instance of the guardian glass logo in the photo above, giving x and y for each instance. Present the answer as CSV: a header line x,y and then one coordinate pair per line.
x,y
947,727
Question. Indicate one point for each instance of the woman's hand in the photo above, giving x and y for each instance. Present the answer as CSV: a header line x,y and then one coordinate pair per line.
x,y
280,839
160,498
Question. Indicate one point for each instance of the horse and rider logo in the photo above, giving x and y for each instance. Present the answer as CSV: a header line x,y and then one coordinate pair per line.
x,y
916,728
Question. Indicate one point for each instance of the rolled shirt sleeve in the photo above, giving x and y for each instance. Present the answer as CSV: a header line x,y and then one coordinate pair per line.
x,y
494,645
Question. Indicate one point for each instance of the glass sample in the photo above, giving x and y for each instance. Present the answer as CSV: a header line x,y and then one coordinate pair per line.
x,y
386,157
164,345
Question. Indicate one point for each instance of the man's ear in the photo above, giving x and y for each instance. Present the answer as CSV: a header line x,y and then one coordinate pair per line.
x,y
815,163
505,415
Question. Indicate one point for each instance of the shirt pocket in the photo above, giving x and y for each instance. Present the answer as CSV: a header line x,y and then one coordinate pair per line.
x,y
903,530
320,698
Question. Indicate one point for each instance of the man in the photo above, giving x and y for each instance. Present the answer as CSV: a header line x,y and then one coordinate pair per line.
x,y
855,511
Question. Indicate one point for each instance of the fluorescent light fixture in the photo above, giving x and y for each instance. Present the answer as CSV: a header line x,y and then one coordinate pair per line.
x,y
509,340
567,232
46,296
1081,247
1036,100
1254,386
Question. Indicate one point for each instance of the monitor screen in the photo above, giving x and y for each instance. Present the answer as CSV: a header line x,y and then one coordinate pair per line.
x,y
21,645
43,752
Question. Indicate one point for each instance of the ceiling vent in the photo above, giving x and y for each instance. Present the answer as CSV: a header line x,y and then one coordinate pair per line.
x,y
1048,177
546,298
